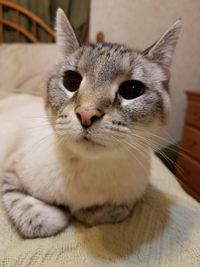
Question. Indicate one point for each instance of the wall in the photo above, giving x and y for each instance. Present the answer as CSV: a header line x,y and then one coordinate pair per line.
x,y
138,23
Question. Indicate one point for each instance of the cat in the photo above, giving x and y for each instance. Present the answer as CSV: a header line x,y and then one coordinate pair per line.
x,y
106,106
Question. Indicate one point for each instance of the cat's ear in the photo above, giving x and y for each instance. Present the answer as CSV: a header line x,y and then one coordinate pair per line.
x,y
65,37
163,50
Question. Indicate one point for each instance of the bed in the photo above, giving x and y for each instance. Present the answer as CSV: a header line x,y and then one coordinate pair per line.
x,y
164,229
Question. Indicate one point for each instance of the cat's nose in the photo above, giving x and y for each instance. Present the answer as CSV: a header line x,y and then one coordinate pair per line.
x,y
88,116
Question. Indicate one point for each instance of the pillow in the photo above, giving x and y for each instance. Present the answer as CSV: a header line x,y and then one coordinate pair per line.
x,y
26,65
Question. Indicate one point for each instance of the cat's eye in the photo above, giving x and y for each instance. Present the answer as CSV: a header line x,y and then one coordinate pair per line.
x,y
72,80
131,89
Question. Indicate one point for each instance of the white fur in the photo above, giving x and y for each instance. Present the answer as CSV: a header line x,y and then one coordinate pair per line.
x,y
52,173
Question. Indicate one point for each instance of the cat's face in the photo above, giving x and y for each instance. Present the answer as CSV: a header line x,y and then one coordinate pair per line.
x,y
106,97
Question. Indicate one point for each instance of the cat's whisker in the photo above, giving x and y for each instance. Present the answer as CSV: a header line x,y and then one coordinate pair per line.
x,y
36,127
35,145
174,164
149,142
136,145
131,149
37,117
179,168
154,135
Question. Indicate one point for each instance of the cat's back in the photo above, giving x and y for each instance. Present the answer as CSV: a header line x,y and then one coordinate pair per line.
x,y
19,109
17,115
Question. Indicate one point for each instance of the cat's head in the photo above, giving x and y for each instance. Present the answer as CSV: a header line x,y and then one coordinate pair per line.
x,y
106,97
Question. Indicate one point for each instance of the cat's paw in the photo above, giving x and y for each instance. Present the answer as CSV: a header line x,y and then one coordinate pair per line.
x,y
32,217
42,221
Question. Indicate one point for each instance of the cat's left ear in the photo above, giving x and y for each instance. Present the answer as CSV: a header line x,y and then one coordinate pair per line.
x,y
65,36
162,51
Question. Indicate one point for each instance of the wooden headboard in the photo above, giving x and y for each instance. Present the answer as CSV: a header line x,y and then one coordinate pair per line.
x,y
36,23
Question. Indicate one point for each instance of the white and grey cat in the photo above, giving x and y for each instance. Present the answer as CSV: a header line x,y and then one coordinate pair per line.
x,y
106,105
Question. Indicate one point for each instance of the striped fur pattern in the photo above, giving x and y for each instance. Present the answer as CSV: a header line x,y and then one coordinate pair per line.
x,y
33,217
96,173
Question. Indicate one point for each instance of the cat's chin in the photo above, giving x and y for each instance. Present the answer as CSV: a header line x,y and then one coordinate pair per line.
x,y
88,143
90,149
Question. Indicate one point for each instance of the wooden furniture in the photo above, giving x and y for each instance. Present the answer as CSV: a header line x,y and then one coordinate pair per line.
x,y
188,164
100,37
20,12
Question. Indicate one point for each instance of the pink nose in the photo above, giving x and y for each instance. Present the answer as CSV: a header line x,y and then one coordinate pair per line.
x,y
88,116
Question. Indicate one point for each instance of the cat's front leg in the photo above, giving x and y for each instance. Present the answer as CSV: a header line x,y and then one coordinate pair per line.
x,y
32,217
103,214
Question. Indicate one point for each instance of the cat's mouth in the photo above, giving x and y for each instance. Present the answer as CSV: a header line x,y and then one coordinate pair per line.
x,y
86,140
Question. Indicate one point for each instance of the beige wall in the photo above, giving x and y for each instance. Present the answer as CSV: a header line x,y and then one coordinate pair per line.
x,y
138,23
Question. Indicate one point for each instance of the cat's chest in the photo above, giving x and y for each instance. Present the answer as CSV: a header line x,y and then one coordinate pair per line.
x,y
83,184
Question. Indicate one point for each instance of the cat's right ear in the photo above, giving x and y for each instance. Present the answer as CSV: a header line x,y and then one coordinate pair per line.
x,y
65,37
163,50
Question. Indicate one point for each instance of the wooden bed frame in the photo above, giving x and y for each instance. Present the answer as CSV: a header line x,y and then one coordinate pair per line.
x,y
36,23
